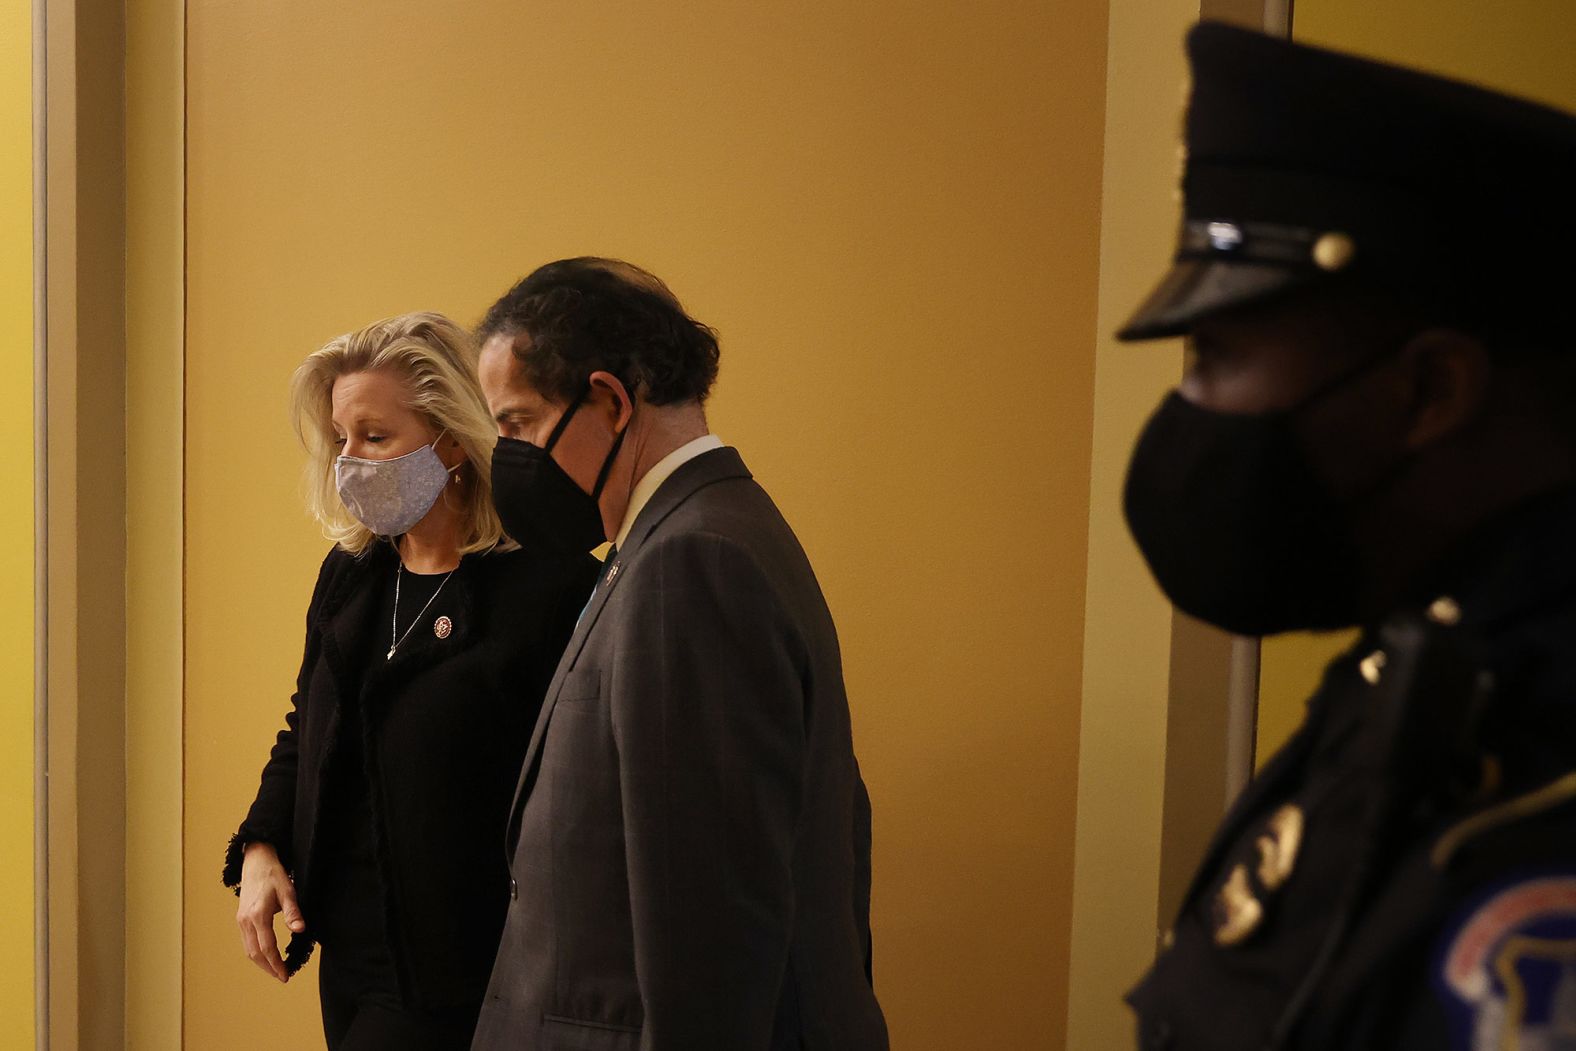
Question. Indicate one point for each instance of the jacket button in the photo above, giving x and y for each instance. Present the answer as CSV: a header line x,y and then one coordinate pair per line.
x,y
514,891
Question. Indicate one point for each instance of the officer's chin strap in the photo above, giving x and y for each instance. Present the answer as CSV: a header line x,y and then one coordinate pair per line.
x,y
1420,728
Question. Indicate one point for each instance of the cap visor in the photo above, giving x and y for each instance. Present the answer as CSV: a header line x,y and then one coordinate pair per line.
x,y
1197,288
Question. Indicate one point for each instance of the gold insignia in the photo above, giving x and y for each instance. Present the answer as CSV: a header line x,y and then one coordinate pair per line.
x,y
1237,912
1372,665
1551,964
1334,251
1445,610
1556,793
1279,845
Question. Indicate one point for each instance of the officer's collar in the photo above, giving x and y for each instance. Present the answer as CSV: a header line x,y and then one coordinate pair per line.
x,y
1519,561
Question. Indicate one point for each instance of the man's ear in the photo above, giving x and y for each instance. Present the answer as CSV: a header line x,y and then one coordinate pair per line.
x,y
612,398
1447,372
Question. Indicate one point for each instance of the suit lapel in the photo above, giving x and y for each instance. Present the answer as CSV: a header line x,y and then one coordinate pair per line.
x,y
577,642
345,625
706,469
348,629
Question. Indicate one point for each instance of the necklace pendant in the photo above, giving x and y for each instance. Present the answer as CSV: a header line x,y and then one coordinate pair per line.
x,y
390,654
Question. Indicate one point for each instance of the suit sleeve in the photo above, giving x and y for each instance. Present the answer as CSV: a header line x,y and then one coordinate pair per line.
x,y
708,707
271,818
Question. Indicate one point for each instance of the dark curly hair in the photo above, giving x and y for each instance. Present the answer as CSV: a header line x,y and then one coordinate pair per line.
x,y
584,315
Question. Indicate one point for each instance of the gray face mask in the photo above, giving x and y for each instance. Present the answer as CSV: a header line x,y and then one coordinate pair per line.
x,y
390,496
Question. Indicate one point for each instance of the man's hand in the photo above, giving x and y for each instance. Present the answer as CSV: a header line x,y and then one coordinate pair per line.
x,y
266,889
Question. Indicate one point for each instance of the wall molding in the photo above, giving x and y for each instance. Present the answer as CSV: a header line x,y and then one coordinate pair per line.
x,y
84,483
155,529
39,10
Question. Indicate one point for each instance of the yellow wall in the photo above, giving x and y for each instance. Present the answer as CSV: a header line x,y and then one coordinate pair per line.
x,y
1521,46
16,523
1290,667
1127,630
889,209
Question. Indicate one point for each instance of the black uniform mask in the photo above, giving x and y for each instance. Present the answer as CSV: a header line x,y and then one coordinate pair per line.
x,y
538,503
1235,525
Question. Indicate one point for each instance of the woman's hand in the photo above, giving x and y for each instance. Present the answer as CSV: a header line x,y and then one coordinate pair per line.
x,y
266,889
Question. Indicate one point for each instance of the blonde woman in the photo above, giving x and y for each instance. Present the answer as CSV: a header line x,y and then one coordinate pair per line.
x,y
378,828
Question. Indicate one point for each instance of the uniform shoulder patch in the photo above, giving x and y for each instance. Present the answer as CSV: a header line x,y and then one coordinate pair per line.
x,y
1507,968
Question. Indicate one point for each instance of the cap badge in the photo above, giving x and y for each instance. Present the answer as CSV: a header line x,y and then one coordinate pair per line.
x,y
1224,237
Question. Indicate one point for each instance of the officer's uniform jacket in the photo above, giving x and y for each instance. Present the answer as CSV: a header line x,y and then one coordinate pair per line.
x,y
1402,874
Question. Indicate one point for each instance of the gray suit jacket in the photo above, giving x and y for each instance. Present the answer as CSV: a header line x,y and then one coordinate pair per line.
x,y
690,844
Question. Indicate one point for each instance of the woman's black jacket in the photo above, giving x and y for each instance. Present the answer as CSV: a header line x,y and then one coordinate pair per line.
x,y
445,725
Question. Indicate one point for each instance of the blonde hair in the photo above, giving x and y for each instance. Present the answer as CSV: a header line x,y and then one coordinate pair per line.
x,y
435,361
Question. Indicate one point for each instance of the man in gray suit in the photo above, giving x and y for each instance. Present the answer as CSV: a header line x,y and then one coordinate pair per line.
x,y
690,842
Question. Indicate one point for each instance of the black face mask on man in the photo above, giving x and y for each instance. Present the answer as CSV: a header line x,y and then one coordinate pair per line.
x,y
538,503
1237,527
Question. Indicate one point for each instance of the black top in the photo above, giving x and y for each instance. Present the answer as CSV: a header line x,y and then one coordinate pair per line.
x,y
416,591
411,761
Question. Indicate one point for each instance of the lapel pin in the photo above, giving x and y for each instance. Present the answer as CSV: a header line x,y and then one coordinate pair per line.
x,y
442,627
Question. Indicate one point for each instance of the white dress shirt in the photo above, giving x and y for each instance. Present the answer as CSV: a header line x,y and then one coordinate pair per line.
x,y
660,472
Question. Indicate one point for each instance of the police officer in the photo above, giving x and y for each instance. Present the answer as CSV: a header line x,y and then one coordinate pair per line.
x,y
1376,428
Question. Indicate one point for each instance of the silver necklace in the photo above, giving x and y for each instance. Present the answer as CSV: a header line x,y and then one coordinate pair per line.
x,y
395,638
